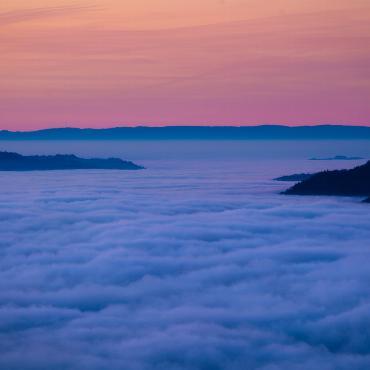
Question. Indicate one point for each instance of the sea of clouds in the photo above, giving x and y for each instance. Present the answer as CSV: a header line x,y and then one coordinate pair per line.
x,y
181,267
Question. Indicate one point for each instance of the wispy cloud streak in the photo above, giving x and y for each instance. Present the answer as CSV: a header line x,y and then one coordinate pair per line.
x,y
32,14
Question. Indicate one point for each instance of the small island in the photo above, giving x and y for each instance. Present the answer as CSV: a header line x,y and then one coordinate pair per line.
x,y
353,182
337,158
17,162
295,177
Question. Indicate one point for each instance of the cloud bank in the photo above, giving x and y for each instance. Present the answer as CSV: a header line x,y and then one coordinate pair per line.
x,y
180,269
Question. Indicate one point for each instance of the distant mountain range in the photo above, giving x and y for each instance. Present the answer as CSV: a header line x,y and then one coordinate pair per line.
x,y
264,132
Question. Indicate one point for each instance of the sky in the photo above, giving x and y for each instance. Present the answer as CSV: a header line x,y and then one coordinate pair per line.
x,y
88,63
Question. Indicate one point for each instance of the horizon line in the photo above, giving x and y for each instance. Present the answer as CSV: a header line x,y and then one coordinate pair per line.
x,y
186,126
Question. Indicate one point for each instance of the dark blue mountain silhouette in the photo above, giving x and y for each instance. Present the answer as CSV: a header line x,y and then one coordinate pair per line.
x,y
264,132
353,182
18,162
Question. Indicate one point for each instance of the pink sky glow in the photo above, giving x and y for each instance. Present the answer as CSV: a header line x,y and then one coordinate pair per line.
x,y
116,63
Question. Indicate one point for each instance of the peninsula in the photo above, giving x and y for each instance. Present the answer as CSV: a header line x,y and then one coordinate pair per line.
x,y
337,158
17,162
353,182
295,177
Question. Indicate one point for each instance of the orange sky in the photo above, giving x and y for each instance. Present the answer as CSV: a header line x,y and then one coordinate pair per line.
x,y
105,63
